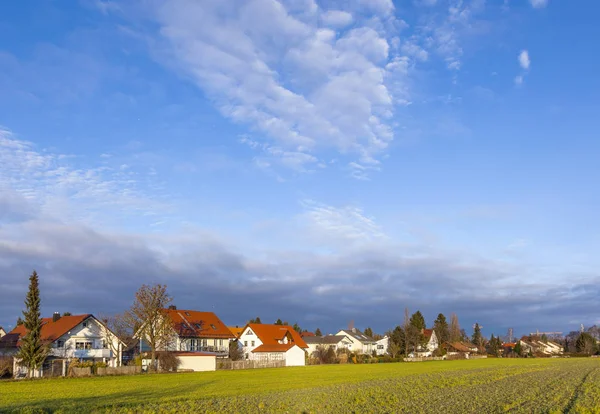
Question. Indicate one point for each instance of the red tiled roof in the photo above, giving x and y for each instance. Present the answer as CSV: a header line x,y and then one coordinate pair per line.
x,y
190,323
427,332
236,331
51,330
274,347
272,334
509,345
305,334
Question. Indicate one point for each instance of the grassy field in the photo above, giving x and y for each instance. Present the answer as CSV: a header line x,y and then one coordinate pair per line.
x,y
493,385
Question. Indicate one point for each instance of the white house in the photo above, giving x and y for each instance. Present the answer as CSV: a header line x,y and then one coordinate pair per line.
x,y
81,337
2,332
430,345
195,331
263,342
382,345
329,341
361,343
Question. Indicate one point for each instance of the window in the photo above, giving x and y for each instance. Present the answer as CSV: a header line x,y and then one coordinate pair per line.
x,y
193,344
252,343
213,326
85,324
249,332
60,344
104,344
220,342
83,345
198,326
245,343
379,346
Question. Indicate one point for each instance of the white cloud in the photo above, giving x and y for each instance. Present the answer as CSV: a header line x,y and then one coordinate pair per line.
x,y
54,183
336,18
519,80
524,59
346,224
304,87
538,4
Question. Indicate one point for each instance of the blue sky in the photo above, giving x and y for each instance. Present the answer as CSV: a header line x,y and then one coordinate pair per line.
x,y
318,162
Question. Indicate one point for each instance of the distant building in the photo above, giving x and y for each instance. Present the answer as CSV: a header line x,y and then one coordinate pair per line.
x,y
264,342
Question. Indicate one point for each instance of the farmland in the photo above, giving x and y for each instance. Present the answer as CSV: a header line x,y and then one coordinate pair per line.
x,y
495,385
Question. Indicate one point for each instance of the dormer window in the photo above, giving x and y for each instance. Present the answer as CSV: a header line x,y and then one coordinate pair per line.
x,y
187,314
213,326
198,326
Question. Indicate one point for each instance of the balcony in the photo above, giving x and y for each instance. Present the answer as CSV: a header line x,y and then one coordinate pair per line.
x,y
92,353
212,349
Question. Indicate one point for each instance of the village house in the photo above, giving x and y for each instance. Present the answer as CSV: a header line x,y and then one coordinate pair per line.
x,y
81,337
429,347
2,332
268,343
336,342
382,345
361,343
459,349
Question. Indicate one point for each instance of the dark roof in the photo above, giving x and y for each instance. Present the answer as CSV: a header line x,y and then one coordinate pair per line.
x,y
329,339
9,340
355,333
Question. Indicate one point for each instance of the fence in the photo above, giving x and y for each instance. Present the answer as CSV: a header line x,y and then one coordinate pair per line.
x,y
80,372
126,370
422,359
249,364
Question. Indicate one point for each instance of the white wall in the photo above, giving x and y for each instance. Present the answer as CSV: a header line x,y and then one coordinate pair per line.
x,y
198,362
94,333
382,342
295,357
248,337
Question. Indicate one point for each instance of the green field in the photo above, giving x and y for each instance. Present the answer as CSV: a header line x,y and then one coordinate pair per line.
x,y
482,386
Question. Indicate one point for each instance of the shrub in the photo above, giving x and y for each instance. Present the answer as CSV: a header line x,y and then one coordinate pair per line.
x,y
168,361
6,366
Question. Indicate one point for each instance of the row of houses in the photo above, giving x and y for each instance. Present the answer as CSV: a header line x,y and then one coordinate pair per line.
x,y
198,339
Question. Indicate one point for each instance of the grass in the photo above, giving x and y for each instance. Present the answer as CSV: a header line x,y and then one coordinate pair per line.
x,y
494,385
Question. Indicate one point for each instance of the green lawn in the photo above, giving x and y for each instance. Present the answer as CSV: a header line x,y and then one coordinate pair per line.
x,y
493,385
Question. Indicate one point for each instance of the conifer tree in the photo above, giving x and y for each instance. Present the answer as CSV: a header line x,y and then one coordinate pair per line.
x,y
32,352
442,331
477,339
318,332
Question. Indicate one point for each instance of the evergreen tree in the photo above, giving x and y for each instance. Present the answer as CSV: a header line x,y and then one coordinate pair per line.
x,y
369,332
66,314
278,322
318,332
32,351
544,338
477,339
494,349
256,320
417,320
442,331
297,328
20,321
518,349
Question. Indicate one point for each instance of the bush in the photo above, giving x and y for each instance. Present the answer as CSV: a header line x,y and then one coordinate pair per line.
x,y
6,366
168,361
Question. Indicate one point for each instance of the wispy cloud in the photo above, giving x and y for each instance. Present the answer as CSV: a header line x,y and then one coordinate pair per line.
x,y
524,59
59,188
538,4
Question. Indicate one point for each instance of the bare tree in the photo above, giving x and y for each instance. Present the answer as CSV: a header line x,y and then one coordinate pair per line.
x,y
455,331
148,319
113,329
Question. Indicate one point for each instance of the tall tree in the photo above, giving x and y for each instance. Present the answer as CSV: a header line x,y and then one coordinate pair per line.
x,y
454,328
297,328
20,321
407,330
477,339
318,332
256,320
148,315
440,326
417,320
397,341
278,322
33,351
114,330
585,343
369,332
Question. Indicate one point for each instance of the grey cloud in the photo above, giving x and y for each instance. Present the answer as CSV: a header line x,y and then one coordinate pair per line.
x,y
83,270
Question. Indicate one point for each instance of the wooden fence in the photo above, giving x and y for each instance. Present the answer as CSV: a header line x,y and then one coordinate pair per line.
x,y
422,359
248,364
125,370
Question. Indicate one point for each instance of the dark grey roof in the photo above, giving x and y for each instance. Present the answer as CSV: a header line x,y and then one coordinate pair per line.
x,y
329,339
358,335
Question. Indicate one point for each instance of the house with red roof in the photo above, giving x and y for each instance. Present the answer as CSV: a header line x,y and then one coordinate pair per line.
x,y
80,337
196,332
263,342
430,345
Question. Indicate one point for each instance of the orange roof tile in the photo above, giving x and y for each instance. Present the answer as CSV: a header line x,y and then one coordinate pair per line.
x,y
191,323
272,334
51,330
236,331
274,347
427,332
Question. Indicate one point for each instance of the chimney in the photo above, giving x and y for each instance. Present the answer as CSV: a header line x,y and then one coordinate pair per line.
x,y
172,307
56,316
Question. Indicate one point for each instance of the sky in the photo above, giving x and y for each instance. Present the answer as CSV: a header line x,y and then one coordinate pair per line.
x,y
316,161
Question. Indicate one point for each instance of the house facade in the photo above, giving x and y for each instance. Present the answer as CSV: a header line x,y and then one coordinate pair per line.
x,y
381,345
430,345
2,332
361,343
80,337
195,331
263,342
336,342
